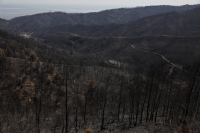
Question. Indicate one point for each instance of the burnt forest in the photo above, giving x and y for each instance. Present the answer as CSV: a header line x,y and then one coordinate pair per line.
x,y
121,70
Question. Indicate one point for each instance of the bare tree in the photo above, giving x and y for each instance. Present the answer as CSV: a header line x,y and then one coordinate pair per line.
x,y
104,104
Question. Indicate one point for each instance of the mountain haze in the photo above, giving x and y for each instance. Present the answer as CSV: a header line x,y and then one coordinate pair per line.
x,y
172,24
36,22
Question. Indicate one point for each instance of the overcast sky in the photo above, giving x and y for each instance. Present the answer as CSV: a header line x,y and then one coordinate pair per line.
x,y
106,2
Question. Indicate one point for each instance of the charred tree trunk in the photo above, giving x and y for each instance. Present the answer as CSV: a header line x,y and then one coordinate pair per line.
x,y
104,106
142,108
66,100
119,104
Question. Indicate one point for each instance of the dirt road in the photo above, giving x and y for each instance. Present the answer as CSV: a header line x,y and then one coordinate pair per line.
x,y
162,56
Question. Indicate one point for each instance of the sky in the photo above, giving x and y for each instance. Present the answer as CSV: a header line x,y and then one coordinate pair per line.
x,y
106,2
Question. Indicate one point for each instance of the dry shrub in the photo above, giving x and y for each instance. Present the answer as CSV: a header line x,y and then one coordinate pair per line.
x,y
2,57
92,85
17,55
19,80
179,131
88,131
12,76
51,67
57,76
22,55
33,55
9,52
27,51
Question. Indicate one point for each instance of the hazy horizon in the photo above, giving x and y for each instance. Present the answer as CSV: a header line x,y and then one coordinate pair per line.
x,y
10,10
106,2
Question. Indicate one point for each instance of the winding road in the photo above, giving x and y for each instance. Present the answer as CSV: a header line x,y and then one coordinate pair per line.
x,y
154,54
162,56
123,38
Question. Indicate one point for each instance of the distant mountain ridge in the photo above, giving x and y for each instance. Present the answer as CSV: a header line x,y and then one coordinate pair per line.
x,y
118,16
2,22
172,24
